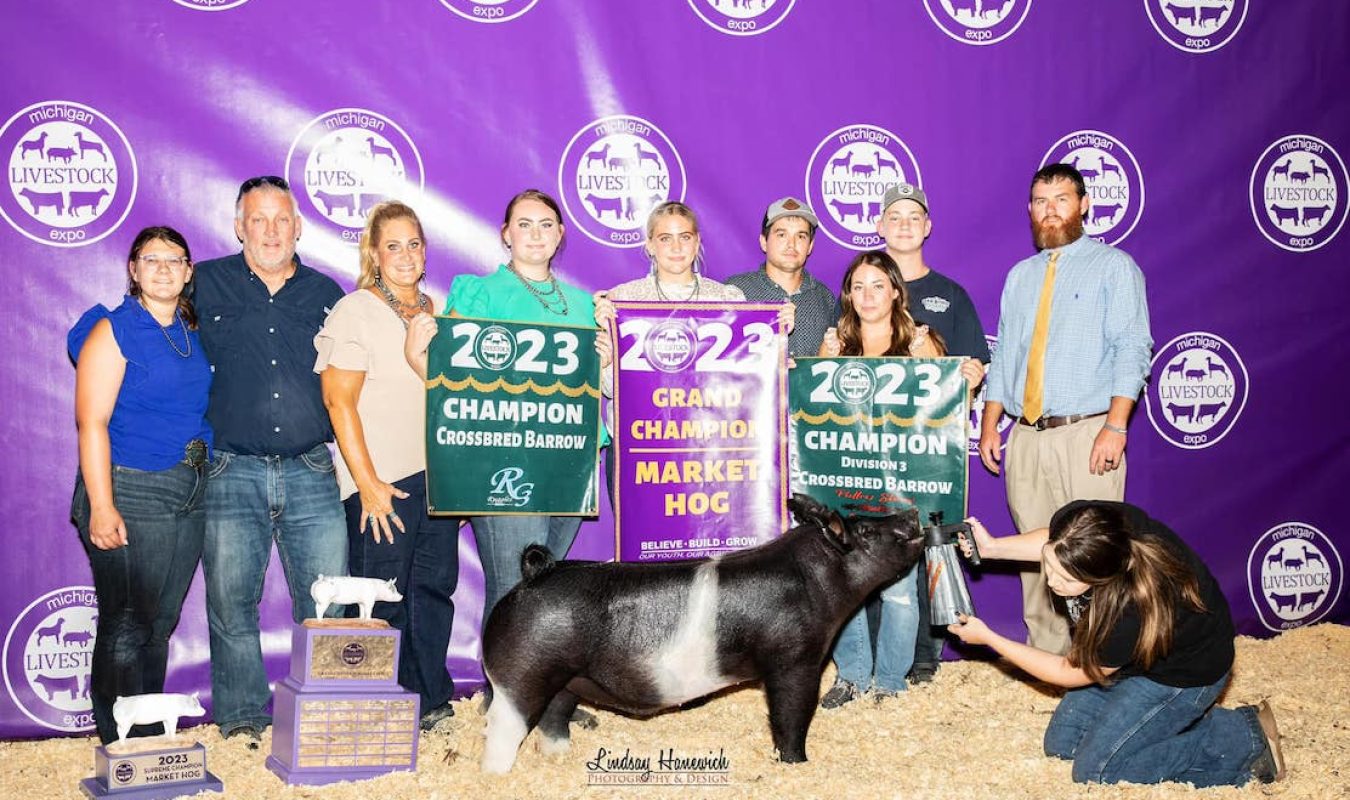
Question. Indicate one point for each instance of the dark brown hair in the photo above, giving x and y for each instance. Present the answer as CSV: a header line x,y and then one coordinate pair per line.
x,y
163,233
532,194
1095,545
902,324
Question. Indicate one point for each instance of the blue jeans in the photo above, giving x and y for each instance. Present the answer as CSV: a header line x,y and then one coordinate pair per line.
x,y
250,502
501,540
1140,731
140,587
895,640
423,561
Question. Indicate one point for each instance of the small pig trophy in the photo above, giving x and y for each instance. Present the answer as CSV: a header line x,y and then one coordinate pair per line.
x,y
330,590
948,596
147,709
151,766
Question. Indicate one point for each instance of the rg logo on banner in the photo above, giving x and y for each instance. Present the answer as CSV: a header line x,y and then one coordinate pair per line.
x,y
1114,182
741,17
978,22
1297,186
1294,575
48,654
1196,26
1197,390
848,175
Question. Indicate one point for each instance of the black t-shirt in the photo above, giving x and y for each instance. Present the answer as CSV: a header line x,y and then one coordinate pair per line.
x,y
1202,643
940,303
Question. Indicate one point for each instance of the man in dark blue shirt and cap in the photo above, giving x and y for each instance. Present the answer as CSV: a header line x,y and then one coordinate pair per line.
x,y
272,475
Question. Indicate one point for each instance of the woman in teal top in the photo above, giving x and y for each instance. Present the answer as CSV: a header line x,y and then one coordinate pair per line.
x,y
525,289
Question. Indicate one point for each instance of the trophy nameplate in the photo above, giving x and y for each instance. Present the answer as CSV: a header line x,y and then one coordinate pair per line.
x,y
148,769
344,656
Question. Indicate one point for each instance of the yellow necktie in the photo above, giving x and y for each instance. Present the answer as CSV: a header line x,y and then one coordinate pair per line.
x,y
1034,396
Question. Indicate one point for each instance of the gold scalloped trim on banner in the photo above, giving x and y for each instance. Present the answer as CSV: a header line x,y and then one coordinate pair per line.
x,y
858,416
514,388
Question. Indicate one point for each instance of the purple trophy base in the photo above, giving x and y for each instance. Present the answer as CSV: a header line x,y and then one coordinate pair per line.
x,y
151,774
328,728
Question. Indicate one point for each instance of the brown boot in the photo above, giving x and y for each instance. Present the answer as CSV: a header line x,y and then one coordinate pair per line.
x,y
1269,766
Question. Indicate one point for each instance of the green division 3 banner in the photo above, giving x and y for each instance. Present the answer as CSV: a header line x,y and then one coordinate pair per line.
x,y
513,419
880,435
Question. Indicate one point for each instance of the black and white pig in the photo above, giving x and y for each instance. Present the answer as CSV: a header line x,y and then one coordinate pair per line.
x,y
643,637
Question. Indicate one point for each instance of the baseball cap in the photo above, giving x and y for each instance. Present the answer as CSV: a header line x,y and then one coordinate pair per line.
x,y
789,207
904,191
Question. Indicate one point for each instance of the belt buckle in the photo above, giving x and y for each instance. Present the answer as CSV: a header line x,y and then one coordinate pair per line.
x,y
194,453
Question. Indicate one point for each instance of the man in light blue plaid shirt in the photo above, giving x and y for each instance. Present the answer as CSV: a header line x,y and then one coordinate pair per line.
x,y
1070,443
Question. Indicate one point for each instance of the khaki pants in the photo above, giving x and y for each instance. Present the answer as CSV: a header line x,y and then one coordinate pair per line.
x,y
1045,470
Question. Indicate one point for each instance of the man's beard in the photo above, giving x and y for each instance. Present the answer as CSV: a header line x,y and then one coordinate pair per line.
x,y
1050,237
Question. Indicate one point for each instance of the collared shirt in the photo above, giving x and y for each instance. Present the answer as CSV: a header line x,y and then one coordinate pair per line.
x,y
817,307
1099,341
265,399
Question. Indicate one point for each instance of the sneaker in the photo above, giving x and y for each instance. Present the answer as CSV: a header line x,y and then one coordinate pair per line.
x,y
249,732
1269,765
880,695
436,715
923,673
840,693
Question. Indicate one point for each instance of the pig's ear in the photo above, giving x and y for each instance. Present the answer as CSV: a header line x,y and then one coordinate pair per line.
x,y
837,533
809,511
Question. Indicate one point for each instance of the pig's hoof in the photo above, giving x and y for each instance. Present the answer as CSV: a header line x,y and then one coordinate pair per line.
x,y
584,719
554,747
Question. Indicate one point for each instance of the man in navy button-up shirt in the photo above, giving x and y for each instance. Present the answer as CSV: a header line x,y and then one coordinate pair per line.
x,y
272,476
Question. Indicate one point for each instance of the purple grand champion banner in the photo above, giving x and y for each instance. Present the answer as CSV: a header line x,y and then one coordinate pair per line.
x,y
700,431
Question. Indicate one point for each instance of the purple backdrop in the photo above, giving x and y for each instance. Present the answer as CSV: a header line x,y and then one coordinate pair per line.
x,y
1225,115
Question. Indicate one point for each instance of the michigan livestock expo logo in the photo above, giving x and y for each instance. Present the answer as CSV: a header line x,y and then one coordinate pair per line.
x,y
345,162
48,653
72,175
210,5
1294,576
613,173
742,17
1114,182
489,10
1197,26
671,346
1297,186
978,22
854,383
848,176
1197,391
495,348
977,407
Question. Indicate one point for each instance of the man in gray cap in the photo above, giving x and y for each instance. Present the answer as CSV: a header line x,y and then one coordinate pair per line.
x,y
944,306
786,236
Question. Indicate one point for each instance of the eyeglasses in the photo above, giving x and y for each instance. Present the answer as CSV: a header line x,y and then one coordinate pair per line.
x,y
154,262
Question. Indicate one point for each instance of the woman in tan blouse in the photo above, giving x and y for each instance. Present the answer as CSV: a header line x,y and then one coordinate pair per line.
x,y
378,407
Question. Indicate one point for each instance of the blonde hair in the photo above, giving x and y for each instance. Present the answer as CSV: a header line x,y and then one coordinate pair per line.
x,y
370,237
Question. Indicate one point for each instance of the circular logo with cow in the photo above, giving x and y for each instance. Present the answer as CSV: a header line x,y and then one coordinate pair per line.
x,y
977,408
742,17
210,5
854,383
495,347
72,175
345,162
1115,184
613,173
489,10
848,175
978,22
1297,186
670,346
1294,576
1198,390
353,653
48,652
1197,26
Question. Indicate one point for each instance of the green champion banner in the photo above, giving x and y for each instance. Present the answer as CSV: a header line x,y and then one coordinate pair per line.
x,y
513,419
880,435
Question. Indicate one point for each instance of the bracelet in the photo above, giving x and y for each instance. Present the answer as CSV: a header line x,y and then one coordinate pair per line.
x,y
1115,428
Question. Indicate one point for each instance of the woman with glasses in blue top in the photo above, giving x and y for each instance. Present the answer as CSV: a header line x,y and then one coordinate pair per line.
x,y
141,386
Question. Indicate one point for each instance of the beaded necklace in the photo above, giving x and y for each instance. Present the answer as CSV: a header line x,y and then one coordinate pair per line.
x,y
693,295
405,311
553,301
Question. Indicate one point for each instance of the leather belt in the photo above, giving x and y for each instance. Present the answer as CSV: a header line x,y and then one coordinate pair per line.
x,y
1045,423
